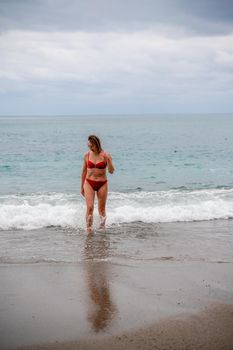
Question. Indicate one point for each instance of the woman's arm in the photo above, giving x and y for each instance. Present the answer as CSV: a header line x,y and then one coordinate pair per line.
x,y
110,165
84,173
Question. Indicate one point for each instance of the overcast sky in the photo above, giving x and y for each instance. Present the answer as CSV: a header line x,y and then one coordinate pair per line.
x,y
111,57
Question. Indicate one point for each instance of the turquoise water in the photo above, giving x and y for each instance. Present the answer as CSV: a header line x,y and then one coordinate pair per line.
x,y
151,153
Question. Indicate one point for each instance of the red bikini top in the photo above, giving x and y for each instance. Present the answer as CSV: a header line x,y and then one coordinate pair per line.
x,y
100,165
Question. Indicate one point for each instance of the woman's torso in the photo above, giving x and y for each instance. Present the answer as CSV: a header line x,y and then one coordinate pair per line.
x,y
96,166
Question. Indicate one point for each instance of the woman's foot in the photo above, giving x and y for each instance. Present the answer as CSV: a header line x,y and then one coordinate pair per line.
x,y
102,221
89,223
89,230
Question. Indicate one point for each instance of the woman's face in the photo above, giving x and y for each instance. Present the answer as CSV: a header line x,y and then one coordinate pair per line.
x,y
91,146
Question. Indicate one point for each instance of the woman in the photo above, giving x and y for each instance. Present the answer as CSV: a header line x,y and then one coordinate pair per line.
x,y
94,179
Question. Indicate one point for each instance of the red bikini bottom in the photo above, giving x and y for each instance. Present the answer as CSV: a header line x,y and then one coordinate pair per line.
x,y
96,185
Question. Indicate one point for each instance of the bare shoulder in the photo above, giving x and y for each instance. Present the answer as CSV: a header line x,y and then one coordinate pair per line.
x,y
85,156
107,155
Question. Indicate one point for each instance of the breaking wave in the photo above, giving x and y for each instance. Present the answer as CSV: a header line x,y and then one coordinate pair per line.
x,y
37,210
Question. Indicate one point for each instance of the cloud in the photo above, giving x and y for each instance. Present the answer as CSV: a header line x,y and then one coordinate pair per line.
x,y
200,16
131,54
139,60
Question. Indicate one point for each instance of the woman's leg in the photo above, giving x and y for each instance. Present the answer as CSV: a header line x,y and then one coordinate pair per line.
x,y
102,194
90,198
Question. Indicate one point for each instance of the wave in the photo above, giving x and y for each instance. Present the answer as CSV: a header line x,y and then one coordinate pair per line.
x,y
36,260
37,210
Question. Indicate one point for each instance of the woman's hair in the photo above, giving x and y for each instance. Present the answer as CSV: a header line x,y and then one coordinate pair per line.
x,y
95,141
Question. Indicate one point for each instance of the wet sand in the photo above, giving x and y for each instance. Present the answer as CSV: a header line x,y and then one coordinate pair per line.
x,y
132,304
211,329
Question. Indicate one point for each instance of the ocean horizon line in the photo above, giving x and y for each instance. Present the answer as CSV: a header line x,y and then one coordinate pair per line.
x,y
156,114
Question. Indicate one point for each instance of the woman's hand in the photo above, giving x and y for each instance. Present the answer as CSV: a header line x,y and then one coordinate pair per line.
x,y
82,191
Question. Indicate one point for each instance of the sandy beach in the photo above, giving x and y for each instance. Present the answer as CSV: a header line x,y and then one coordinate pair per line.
x,y
101,304
211,330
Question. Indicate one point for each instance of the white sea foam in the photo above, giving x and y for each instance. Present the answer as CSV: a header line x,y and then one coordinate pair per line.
x,y
37,210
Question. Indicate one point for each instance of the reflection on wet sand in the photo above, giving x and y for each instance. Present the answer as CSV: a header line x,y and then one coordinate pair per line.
x,y
101,308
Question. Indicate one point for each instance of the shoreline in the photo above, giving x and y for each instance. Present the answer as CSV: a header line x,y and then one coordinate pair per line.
x,y
210,329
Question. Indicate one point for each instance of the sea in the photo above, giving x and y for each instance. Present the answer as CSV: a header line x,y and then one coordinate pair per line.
x,y
170,197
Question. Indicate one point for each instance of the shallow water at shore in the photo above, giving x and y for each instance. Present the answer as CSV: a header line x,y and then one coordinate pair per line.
x,y
192,241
